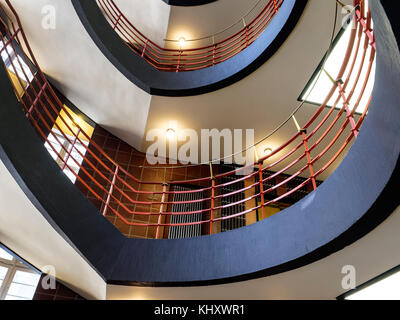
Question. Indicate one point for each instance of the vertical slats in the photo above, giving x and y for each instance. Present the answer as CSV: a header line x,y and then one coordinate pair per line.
x,y
235,222
188,231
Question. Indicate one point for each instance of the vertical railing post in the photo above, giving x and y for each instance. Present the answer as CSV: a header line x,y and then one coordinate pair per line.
x,y
71,148
276,7
214,50
38,96
366,24
260,176
145,47
349,114
111,190
164,190
303,133
116,22
261,182
179,61
212,206
339,83
247,32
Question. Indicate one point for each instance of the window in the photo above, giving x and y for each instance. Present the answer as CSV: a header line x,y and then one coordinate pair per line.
x,y
15,63
17,280
69,150
64,155
317,88
384,287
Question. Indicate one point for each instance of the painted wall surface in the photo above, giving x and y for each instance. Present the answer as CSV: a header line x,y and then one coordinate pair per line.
x,y
150,17
24,230
82,73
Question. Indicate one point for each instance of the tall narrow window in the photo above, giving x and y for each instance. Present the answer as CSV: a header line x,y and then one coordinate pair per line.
x,y
320,83
69,147
14,62
383,287
17,280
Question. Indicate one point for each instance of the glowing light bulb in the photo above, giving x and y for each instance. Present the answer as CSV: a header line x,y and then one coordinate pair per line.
x,y
170,134
181,42
267,151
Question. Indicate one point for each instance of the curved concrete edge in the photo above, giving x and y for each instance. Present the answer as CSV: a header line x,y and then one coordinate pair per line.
x,y
350,203
156,82
50,191
185,3
26,231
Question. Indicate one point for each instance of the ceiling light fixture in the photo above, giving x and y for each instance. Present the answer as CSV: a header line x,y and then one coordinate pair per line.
x,y
181,42
170,133
267,151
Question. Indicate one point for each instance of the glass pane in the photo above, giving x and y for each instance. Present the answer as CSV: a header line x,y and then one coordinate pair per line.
x,y
23,286
3,272
73,159
5,255
386,289
70,175
11,297
322,85
22,69
26,278
20,290
76,156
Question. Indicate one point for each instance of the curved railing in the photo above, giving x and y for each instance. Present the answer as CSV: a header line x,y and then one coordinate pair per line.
x,y
181,59
313,148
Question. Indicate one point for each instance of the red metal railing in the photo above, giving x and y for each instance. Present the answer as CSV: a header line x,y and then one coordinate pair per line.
x,y
314,147
199,57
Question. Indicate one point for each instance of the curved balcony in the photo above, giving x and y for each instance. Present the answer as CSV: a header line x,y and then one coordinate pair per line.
x,y
180,59
316,226
214,61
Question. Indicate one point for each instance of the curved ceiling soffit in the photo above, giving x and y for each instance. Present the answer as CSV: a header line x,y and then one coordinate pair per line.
x,y
313,228
188,3
156,82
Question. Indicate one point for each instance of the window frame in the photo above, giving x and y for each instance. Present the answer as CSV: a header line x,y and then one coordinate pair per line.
x,y
310,82
71,154
370,282
13,265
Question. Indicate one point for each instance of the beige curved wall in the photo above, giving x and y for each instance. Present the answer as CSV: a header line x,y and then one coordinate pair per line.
x,y
24,230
